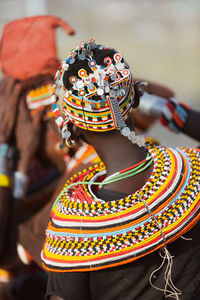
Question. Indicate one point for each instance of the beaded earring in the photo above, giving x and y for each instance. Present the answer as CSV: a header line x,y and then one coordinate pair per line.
x,y
61,123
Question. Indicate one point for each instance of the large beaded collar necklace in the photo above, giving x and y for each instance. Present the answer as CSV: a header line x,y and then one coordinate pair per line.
x,y
87,233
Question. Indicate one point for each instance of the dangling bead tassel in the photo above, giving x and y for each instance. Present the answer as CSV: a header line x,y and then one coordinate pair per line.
x,y
169,290
135,139
120,124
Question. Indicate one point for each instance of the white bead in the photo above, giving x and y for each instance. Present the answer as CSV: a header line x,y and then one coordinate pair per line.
x,y
66,134
134,140
59,120
140,141
100,91
80,84
88,107
126,131
107,89
120,66
131,135
65,66
53,98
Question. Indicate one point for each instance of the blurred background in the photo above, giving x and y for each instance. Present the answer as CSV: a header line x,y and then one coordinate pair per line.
x,y
159,39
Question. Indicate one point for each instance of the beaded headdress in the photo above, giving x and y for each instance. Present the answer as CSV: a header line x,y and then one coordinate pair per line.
x,y
94,90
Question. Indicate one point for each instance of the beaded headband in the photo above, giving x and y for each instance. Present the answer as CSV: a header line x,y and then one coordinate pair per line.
x,y
40,96
94,90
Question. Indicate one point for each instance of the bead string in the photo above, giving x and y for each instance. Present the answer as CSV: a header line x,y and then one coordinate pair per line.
x,y
126,173
170,290
134,170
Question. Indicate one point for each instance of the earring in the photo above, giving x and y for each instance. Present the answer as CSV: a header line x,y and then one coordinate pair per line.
x,y
62,147
70,143
66,135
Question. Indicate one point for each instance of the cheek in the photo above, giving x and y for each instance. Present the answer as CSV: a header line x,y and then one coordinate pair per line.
x,y
55,156
52,146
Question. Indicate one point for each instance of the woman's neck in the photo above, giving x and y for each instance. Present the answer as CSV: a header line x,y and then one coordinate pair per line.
x,y
123,158
117,152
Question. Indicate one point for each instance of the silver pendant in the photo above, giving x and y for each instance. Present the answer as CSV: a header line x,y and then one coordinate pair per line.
x,y
88,53
82,57
88,107
91,86
72,60
122,92
100,91
113,77
112,94
107,89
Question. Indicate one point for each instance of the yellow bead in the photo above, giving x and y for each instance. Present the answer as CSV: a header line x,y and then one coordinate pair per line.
x,y
5,181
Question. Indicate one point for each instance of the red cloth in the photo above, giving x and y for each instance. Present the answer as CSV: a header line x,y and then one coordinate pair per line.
x,y
28,46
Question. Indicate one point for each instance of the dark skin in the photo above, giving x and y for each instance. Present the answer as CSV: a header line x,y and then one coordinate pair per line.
x,y
111,147
191,127
118,153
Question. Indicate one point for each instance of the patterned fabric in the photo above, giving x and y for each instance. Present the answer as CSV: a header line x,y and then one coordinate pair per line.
x,y
86,233
39,97
174,115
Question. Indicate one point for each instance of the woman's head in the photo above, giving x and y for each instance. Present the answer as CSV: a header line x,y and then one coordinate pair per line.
x,y
94,90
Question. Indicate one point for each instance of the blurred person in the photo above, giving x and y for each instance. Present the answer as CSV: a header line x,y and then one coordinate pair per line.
x,y
31,164
171,113
110,220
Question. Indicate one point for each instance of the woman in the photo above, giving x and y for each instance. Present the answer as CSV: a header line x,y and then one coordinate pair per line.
x,y
109,221
31,165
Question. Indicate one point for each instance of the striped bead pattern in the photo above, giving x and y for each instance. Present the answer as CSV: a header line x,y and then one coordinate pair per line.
x,y
174,115
40,96
86,233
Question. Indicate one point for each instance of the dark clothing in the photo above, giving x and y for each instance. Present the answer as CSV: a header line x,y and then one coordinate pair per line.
x,y
131,281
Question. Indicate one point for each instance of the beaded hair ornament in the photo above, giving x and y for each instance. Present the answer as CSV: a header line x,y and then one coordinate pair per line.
x,y
94,90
